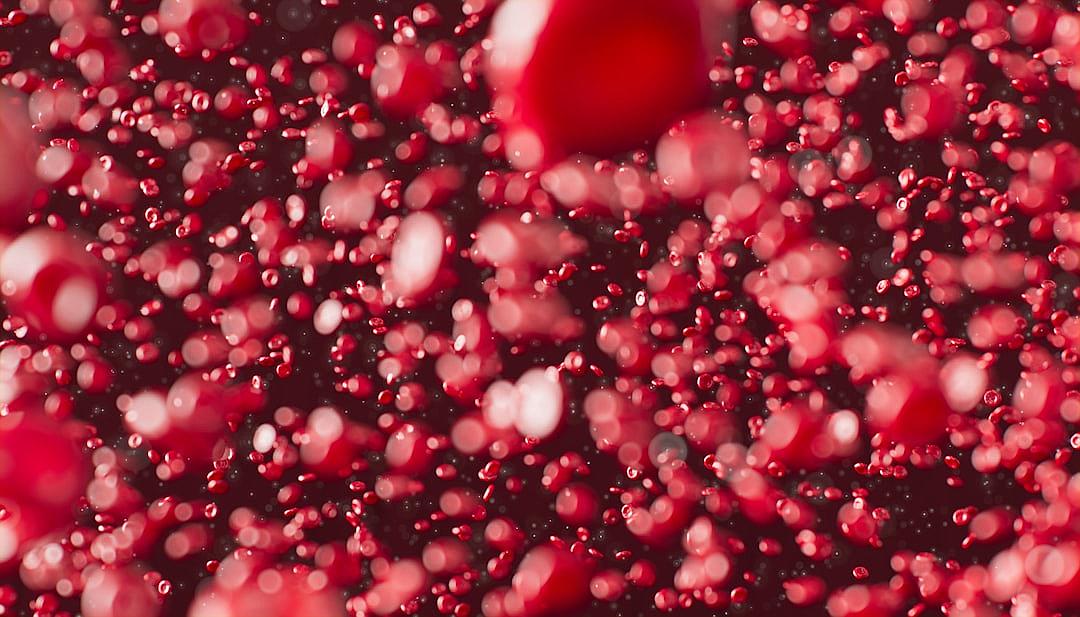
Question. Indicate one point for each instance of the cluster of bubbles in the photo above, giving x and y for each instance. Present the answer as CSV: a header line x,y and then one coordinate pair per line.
x,y
526,307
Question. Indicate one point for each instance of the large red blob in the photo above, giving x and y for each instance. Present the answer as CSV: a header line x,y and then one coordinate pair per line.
x,y
593,76
42,476
245,586
552,581
17,152
51,282
202,26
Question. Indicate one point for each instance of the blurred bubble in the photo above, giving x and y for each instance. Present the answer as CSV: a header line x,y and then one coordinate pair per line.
x,y
294,15
667,447
800,160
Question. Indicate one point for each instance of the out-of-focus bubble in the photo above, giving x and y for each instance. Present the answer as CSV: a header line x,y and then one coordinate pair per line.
x,y
666,448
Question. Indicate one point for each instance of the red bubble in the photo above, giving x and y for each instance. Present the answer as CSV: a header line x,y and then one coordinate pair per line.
x,y
52,283
41,448
198,26
592,77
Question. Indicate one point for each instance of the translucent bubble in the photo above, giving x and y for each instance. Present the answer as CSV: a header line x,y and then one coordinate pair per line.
x,y
800,160
294,15
667,447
